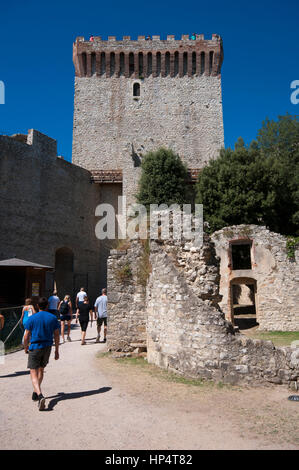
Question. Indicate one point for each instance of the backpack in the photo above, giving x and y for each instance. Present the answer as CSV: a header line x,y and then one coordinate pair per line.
x,y
64,308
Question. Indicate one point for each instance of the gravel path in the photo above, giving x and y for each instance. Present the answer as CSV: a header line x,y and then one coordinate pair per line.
x,y
92,406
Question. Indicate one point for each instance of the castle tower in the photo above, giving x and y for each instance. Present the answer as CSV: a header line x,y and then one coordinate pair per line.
x,y
133,96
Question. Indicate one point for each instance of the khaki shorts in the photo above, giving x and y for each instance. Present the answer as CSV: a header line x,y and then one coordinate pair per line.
x,y
39,357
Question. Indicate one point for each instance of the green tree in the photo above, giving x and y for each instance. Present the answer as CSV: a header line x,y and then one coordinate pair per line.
x,y
163,179
257,184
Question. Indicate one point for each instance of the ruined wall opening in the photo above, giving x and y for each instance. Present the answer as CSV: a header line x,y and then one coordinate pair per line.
x,y
202,63
240,252
158,58
193,63
84,63
103,63
64,271
176,63
243,303
185,63
140,64
167,64
211,59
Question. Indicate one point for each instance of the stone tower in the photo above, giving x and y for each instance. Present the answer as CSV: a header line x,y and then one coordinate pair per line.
x,y
133,96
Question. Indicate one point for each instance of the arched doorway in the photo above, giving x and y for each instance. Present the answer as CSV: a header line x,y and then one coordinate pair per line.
x,y
243,302
64,272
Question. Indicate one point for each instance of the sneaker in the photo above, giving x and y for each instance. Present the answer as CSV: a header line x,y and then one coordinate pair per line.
x,y
98,339
104,340
69,338
34,396
41,402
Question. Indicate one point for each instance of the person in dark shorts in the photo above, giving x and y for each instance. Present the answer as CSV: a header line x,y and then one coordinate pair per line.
x,y
40,329
84,312
53,304
66,312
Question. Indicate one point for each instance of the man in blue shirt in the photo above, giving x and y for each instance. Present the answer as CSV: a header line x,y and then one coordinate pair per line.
x,y
40,328
101,314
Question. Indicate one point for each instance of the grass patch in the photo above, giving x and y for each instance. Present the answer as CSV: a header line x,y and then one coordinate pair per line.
x,y
278,338
163,374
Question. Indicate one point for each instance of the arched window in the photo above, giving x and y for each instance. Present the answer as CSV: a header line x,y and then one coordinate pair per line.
x,y
185,63
193,63
112,63
103,63
121,63
136,89
149,64
202,63
158,63
140,64
93,63
167,63
176,63
84,63
131,63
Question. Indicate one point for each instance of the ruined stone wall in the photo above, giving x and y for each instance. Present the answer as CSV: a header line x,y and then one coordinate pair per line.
x,y
47,203
126,297
276,276
190,335
113,129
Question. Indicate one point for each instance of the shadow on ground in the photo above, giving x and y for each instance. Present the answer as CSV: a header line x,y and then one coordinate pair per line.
x,y
70,396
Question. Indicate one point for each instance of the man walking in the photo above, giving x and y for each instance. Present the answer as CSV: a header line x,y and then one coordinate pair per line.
x,y
101,313
41,326
53,304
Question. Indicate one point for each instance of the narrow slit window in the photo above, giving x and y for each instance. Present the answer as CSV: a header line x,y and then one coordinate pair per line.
x,y
185,63
84,63
176,63
167,63
202,63
121,63
149,63
112,64
211,61
93,63
103,63
193,63
131,63
158,63
140,64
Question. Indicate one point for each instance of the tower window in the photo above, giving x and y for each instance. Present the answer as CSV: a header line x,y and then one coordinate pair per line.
x,y
241,255
136,89
131,63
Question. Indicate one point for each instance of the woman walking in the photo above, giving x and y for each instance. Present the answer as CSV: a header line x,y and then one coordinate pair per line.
x,y
84,310
66,312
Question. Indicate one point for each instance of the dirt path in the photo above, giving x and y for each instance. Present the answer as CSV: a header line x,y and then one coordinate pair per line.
x,y
97,403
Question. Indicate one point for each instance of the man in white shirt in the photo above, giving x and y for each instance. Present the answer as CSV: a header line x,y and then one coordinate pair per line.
x,y
80,296
53,304
101,313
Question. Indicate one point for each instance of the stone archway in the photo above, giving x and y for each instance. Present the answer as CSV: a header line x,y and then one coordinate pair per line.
x,y
243,302
64,272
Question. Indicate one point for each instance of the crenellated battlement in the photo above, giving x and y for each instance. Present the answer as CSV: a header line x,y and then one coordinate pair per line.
x,y
146,57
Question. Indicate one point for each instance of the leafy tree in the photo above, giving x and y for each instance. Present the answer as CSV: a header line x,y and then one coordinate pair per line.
x,y
257,184
163,179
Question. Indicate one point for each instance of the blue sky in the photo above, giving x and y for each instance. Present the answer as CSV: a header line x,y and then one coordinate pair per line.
x,y
260,56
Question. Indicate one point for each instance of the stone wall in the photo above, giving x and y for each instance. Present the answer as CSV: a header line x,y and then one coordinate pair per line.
x,y
46,203
190,335
276,276
126,296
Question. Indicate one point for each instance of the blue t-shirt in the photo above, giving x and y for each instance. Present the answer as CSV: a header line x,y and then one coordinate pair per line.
x,y
42,326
